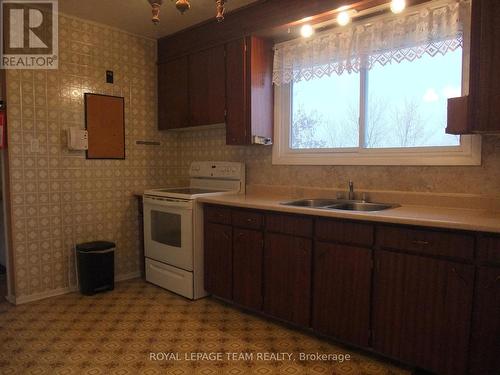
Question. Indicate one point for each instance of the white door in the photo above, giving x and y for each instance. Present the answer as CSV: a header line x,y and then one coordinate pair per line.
x,y
168,231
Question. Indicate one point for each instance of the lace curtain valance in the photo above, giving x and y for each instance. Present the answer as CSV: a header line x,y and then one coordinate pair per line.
x,y
434,28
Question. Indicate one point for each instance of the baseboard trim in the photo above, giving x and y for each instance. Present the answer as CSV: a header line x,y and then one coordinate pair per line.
x,y
128,276
57,292
38,296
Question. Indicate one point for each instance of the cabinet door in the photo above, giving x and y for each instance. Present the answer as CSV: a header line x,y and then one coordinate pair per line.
x,y
218,260
422,311
207,92
287,278
237,101
173,94
485,54
341,292
485,344
247,268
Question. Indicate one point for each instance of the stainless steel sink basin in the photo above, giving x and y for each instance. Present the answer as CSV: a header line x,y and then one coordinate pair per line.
x,y
312,203
360,206
340,204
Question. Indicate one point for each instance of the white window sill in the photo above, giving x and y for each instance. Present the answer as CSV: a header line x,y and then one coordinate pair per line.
x,y
469,153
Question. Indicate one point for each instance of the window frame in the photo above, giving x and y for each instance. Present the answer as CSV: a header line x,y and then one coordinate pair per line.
x,y
467,153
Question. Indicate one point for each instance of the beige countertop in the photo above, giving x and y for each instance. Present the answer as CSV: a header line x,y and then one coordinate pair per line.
x,y
441,217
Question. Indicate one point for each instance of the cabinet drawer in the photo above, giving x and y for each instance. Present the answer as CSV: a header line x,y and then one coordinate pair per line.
x,y
426,241
489,249
217,214
347,232
247,219
289,224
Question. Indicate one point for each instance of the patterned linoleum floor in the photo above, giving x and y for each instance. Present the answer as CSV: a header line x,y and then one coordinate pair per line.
x,y
115,332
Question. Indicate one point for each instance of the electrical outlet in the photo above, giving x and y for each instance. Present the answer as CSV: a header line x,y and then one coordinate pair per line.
x,y
35,146
110,76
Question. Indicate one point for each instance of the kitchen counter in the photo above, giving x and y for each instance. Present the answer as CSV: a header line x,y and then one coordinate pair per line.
x,y
439,217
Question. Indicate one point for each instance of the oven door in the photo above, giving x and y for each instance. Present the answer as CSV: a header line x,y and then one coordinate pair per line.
x,y
168,231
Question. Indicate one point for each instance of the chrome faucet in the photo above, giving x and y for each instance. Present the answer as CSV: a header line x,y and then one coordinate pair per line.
x,y
351,190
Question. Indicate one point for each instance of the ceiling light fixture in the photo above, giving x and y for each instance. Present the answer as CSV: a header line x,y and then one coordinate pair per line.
x,y
155,5
306,30
397,6
182,6
219,4
343,18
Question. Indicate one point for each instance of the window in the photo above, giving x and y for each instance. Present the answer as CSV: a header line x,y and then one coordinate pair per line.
x,y
378,105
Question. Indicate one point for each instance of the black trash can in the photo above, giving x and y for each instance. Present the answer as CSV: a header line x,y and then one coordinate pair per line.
x,y
96,266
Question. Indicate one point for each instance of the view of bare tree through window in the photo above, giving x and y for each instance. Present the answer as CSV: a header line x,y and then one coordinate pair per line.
x,y
325,112
305,125
406,106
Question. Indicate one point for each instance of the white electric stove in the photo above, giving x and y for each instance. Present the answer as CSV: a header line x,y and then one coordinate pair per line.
x,y
173,226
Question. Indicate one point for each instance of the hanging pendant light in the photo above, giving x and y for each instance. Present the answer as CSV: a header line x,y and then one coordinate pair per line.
x,y
220,10
182,5
155,5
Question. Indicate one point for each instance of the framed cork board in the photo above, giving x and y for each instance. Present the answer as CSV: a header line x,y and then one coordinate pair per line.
x,y
105,123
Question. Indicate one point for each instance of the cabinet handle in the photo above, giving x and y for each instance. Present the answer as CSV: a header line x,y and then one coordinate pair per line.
x,y
226,235
249,220
420,242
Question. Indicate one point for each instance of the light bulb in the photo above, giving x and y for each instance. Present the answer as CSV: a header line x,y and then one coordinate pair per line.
x,y
343,18
306,31
397,6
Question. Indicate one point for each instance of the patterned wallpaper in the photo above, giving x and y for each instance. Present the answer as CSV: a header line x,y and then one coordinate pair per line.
x,y
481,180
58,197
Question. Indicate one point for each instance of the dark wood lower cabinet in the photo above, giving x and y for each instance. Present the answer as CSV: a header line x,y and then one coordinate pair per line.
x,y
341,292
429,297
247,268
422,311
218,260
485,341
287,278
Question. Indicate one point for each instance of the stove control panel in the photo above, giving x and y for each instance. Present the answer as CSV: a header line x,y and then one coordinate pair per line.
x,y
217,169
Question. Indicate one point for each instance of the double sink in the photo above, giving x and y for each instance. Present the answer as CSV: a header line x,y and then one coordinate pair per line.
x,y
340,204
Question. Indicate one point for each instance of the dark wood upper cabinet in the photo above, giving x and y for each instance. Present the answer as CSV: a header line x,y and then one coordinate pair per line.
x,y
207,92
247,268
485,339
173,94
341,292
218,259
229,83
287,278
249,90
422,311
479,112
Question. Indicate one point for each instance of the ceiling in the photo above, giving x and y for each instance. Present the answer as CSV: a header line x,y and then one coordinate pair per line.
x,y
134,16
